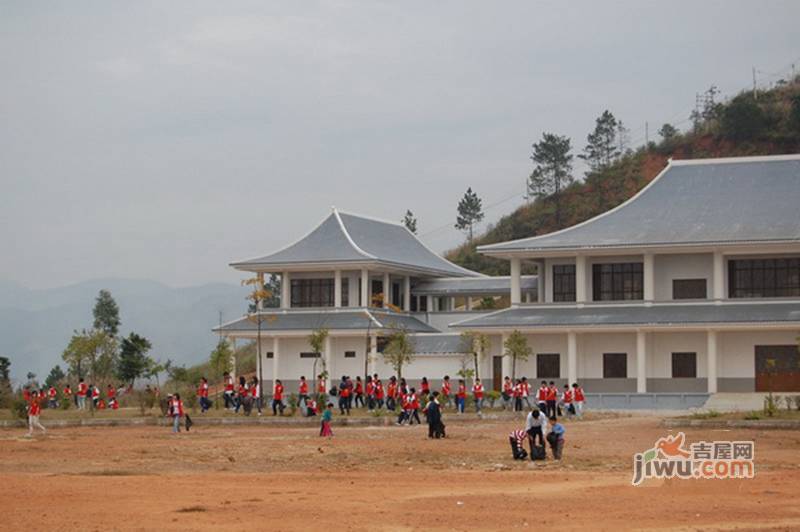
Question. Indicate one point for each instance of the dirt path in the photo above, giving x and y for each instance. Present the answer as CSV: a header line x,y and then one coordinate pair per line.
x,y
387,478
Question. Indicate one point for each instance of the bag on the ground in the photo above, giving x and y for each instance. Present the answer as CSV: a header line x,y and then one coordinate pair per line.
x,y
538,452
189,422
552,439
334,391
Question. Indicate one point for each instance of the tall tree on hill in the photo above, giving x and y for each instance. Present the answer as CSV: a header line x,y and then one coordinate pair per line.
x,y
410,221
133,359
91,352
602,144
553,172
470,212
668,132
55,376
106,313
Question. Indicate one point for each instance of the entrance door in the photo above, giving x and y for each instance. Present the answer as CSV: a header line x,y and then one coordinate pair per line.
x,y
777,368
497,373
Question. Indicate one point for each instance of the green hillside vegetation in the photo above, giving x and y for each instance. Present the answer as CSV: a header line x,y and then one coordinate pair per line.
x,y
767,123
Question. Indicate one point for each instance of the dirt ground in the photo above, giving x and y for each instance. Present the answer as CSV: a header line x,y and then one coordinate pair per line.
x,y
384,478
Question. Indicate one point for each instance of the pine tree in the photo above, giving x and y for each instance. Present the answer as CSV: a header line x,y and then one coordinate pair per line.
x,y
470,212
410,222
133,359
106,313
602,147
553,172
668,132
55,376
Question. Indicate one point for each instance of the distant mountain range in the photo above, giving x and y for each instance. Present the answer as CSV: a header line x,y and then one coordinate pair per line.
x,y
36,324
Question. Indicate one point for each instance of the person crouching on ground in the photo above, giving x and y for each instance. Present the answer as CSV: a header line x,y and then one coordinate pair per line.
x,y
176,411
536,425
517,440
433,412
556,438
327,417
34,410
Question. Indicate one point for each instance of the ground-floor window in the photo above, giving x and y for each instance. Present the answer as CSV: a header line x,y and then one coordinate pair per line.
x,y
270,355
615,365
349,354
684,365
548,366
309,355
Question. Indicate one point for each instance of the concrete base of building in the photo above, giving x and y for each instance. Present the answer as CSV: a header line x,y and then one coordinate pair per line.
x,y
645,401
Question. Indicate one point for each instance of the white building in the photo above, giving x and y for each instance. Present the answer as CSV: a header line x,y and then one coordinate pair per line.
x,y
690,287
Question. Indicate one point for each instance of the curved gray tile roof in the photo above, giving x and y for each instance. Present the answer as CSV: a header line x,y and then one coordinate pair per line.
x,y
722,201
637,315
349,238
472,286
438,343
303,320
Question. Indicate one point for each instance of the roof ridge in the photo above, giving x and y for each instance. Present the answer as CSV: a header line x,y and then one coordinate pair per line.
x,y
496,247
349,238
733,160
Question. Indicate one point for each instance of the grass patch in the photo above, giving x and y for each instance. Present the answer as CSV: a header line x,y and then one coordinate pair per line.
x,y
709,414
192,509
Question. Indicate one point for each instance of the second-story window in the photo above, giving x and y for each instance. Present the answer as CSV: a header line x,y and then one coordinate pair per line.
x,y
764,278
564,282
312,292
618,281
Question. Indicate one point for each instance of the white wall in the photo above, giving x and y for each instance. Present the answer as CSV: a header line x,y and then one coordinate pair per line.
x,y
683,266
736,350
591,347
661,345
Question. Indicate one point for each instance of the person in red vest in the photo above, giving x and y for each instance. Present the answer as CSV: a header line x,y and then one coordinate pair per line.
x,y
321,390
358,392
379,393
302,394
578,399
67,392
461,396
391,393
551,398
425,387
526,391
51,397
507,393
255,393
242,395
111,393
95,394
176,411
34,410
227,382
202,394
344,396
477,392
541,396
566,401
444,398
370,394
413,402
83,390
277,397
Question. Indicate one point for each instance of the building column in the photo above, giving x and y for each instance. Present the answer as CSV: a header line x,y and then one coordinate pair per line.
x,y
451,304
580,279
387,290
468,303
365,295
572,358
259,347
649,280
337,288
276,347
516,268
407,293
260,302
506,359
329,357
719,276
373,354
540,280
286,290
711,356
429,304
641,362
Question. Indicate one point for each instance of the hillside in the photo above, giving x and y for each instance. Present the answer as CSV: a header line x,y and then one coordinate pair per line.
x,y
742,126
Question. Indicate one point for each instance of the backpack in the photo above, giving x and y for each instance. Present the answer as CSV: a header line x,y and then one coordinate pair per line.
x,y
538,452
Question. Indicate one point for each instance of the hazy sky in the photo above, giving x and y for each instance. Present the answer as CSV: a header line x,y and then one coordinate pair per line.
x,y
163,140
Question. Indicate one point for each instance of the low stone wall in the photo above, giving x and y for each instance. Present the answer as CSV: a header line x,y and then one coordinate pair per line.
x,y
645,401
784,424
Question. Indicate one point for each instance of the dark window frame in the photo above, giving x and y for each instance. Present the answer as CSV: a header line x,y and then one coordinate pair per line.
x,y
767,277
310,355
312,293
564,286
618,281
684,365
270,354
690,288
616,363
550,363
349,354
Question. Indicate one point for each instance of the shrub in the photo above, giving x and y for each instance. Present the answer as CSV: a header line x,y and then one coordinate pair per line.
x,y
19,408
753,416
492,396
770,405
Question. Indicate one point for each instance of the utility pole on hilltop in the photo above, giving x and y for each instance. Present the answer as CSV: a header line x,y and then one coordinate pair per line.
x,y
646,134
755,92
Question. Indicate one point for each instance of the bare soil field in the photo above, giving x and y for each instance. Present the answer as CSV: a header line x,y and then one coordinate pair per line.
x,y
380,478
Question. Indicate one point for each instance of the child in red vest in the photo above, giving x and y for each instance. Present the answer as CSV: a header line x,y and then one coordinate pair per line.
x,y
34,410
229,390
277,398
508,393
51,396
566,402
477,392
551,399
541,396
359,392
444,397
391,393
176,411
461,396
578,399
202,394
83,390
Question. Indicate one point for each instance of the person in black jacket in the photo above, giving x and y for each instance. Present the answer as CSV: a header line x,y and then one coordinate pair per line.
x,y
433,412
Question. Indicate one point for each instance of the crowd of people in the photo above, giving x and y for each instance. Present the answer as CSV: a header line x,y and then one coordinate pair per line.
x,y
538,430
